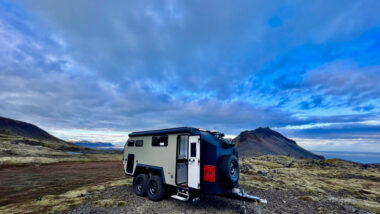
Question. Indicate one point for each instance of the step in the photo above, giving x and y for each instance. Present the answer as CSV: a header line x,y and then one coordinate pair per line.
x,y
179,198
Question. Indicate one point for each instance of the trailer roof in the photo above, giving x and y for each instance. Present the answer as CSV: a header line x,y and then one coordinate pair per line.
x,y
163,131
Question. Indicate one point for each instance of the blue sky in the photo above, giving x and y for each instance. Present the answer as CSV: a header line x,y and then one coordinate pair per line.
x,y
95,70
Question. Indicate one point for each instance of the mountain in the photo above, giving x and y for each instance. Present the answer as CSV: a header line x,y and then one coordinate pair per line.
x,y
19,128
264,141
14,135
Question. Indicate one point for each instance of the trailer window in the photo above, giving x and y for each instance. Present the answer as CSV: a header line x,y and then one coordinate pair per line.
x,y
160,140
193,150
182,147
131,142
139,143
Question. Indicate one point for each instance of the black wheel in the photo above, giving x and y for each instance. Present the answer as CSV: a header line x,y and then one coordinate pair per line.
x,y
195,200
229,170
155,188
139,184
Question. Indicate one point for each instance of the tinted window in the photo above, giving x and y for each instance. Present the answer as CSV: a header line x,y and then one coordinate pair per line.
x,y
182,147
193,150
160,140
131,142
139,143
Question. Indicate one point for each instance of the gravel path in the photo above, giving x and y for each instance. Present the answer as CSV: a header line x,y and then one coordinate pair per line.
x,y
123,200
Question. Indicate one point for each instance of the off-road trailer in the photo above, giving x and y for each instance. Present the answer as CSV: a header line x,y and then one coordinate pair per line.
x,y
190,160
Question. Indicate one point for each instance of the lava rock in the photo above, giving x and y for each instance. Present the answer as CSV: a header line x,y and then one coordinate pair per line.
x,y
263,172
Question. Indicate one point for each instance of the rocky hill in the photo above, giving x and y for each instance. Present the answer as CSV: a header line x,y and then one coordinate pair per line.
x,y
25,139
265,141
19,128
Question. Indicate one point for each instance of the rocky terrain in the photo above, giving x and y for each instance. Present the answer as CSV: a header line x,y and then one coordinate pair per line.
x,y
290,185
265,141
336,180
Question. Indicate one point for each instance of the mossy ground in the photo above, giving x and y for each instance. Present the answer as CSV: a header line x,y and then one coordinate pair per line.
x,y
333,179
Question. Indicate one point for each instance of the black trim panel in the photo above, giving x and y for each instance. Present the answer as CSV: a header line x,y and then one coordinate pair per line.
x,y
131,161
148,168
164,131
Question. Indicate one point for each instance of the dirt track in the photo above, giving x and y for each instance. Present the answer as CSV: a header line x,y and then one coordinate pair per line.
x,y
22,183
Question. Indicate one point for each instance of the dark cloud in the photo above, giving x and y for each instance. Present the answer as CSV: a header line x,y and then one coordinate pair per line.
x,y
339,131
144,64
187,43
315,101
364,108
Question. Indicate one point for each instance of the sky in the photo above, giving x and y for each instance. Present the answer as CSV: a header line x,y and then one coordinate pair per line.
x,y
95,70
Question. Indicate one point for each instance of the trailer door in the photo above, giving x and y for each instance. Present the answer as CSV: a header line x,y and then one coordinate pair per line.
x,y
194,162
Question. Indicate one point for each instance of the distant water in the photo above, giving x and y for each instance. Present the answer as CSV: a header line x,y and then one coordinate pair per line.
x,y
360,157
73,153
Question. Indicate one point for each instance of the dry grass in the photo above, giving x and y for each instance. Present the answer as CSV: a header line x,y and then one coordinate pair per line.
x,y
19,151
20,161
109,203
319,178
22,149
62,202
25,146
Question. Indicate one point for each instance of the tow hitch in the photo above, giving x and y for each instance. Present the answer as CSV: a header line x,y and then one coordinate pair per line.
x,y
240,194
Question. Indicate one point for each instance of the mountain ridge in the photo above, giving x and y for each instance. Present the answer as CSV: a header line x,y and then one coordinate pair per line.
x,y
22,133
20,128
264,141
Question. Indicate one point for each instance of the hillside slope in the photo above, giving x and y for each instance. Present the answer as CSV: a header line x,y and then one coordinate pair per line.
x,y
25,139
19,128
265,141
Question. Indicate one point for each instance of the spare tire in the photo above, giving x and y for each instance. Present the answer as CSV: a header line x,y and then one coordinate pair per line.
x,y
229,170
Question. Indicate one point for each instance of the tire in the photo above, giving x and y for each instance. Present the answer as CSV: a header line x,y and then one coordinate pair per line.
x,y
229,170
139,184
155,188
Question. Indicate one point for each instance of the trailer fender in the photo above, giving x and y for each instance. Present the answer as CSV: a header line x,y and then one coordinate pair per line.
x,y
142,168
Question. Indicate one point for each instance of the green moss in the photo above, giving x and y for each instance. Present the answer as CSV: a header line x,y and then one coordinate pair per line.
x,y
316,178
308,198
121,204
323,210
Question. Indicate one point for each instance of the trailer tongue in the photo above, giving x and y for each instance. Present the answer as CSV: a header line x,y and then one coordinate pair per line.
x,y
240,194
